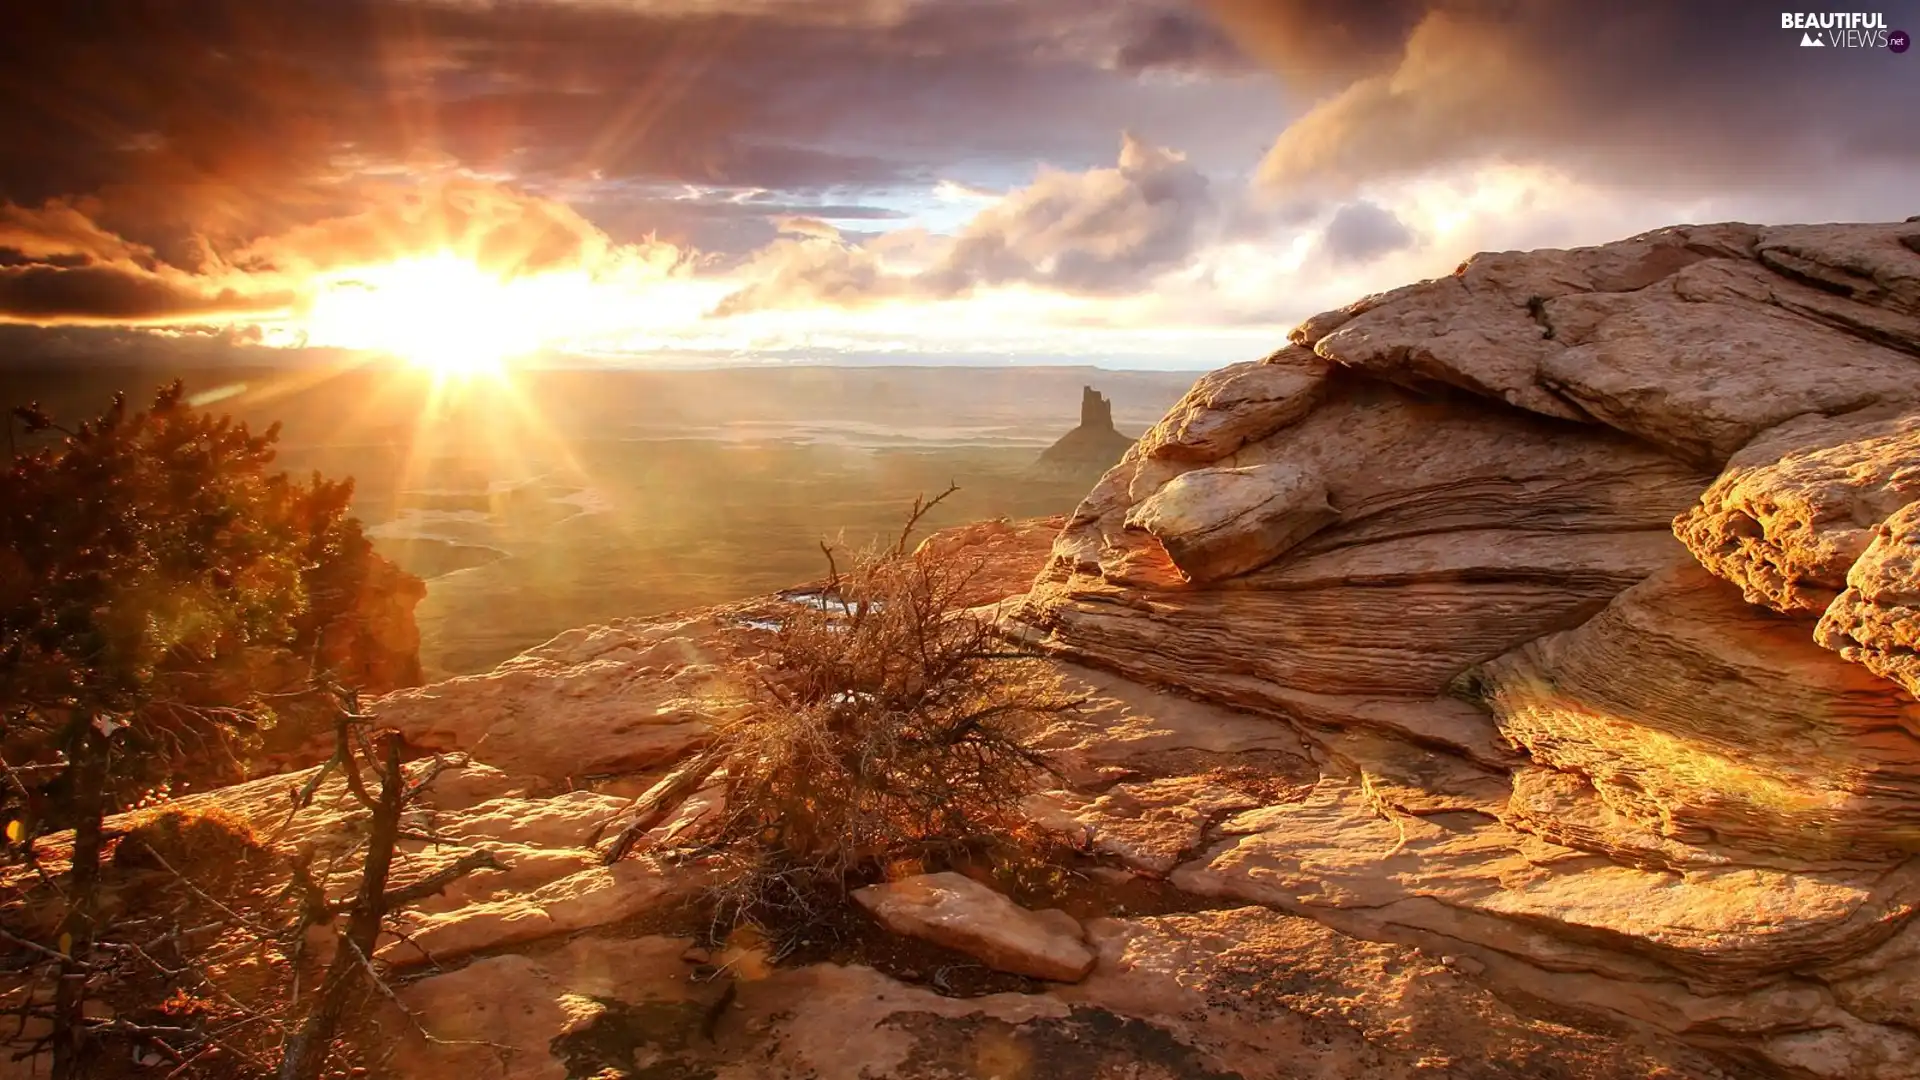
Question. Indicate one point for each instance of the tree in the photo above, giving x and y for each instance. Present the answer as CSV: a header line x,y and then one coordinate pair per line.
x,y
154,605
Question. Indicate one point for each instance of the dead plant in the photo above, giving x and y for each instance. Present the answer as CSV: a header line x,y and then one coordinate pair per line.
x,y
885,723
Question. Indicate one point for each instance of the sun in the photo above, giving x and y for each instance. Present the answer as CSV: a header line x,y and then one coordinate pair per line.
x,y
441,312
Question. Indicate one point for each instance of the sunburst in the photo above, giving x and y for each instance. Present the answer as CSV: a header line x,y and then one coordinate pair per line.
x,y
441,312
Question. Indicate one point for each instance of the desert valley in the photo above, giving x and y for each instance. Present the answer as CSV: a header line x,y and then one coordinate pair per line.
x,y
571,497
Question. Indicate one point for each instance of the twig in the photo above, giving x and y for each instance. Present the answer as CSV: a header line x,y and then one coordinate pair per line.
x,y
920,508
433,883
412,1019
654,804
56,957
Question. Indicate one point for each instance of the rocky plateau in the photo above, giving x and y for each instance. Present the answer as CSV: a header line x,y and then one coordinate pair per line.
x,y
1513,676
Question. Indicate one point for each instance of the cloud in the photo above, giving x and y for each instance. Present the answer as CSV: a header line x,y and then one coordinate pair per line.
x,y
496,227
1644,93
1100,231
1180,41
120,295
62,230
1361,232
1104,231
807,226
59,266
809,272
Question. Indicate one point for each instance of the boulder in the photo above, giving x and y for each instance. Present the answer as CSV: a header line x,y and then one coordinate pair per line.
x,y
1236,405
1796,507
962,914
1219,523
1876,621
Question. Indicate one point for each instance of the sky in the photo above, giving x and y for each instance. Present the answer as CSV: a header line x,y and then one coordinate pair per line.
x,y
1134,183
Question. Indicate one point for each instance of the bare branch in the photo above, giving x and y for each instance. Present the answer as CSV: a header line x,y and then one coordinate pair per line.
x,y
921,506
434,883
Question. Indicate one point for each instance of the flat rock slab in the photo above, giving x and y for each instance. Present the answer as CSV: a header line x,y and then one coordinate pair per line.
x,y
1150,826
593,701
960,913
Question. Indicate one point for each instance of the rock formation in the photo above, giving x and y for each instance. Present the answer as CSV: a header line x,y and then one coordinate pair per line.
x,y
1092,447
1592,578
1514,677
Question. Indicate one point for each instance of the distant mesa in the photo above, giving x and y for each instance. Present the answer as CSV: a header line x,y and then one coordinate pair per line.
x,y
1095,446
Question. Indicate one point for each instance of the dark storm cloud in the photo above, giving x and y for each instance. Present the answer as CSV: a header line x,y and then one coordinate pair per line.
x,y
1361,232
43,293
57,265
1709,95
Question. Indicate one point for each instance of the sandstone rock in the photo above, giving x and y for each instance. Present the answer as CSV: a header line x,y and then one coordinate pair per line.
x,y
1471,880
960,913
597,896
1703,379
1691,715
1876,621
1286,999
1796,507
1486,329
500,1016
1551,744
1440,333
1148,825
550,883
1468,530
1867,264
1218,523
1288,996
1001,555
1236,405
603,699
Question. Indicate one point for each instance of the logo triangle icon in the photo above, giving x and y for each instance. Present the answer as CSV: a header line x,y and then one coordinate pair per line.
x,y
1808,40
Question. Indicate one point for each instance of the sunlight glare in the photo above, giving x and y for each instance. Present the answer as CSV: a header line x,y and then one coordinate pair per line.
x,y
440,312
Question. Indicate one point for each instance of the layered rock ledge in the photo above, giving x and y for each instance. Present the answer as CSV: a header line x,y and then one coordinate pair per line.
x,y
1591,580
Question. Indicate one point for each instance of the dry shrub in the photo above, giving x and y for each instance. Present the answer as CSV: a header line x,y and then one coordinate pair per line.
x,y
206,845
889,725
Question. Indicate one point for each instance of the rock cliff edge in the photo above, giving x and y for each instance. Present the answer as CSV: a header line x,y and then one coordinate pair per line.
x,y
1592,580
